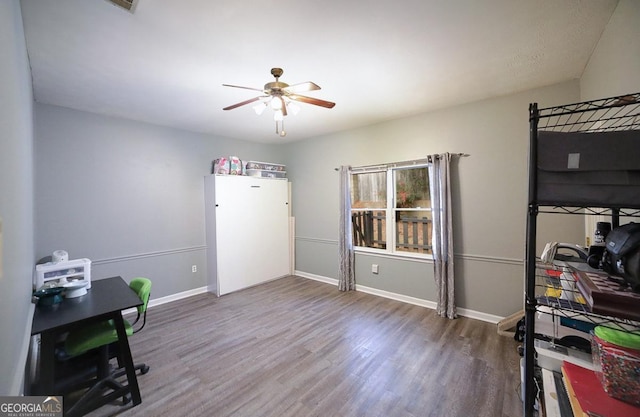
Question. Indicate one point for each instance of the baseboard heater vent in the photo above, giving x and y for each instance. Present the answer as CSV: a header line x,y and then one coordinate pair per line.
x,y
129,5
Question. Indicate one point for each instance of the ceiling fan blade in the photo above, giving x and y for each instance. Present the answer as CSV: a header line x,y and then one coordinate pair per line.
x,y
242,103
311,100
302,87
239,86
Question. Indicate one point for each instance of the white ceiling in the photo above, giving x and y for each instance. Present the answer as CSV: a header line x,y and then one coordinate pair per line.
x,y
378,60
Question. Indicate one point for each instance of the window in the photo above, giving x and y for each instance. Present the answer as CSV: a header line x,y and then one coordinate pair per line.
x,y
399,192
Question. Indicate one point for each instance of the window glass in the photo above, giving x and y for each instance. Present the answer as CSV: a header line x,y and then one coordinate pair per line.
x,y
413,231
369,190
409,230
368,214
412,188
369,228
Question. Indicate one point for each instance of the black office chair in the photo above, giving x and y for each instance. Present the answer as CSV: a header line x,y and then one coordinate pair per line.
x,y
85,358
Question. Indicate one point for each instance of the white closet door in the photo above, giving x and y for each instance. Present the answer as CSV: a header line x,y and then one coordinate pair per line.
x,y
251,231
270,239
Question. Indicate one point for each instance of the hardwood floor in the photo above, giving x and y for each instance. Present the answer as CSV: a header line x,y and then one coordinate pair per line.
x,y
299,348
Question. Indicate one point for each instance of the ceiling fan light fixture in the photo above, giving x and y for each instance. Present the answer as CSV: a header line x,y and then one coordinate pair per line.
x,y
278,116
293,108
259,108
276,103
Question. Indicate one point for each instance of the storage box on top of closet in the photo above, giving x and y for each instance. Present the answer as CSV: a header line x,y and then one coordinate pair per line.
x,y
265,170
266,174
228,166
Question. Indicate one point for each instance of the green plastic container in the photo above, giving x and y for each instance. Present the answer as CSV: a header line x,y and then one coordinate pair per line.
x,y
629,340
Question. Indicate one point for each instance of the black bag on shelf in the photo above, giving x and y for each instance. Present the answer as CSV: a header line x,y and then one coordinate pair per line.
x,y
622,254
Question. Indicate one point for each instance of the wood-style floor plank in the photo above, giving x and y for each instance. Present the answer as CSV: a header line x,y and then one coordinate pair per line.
x,y
299,348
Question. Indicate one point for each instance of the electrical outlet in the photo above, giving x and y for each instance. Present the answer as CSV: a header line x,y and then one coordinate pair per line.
x,y
194,268
374,268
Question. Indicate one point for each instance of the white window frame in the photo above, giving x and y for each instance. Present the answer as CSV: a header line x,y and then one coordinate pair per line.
x,y
390,210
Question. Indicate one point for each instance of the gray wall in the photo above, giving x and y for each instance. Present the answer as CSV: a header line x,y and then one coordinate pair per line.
x,y
16,197
614,66
127,195
490,197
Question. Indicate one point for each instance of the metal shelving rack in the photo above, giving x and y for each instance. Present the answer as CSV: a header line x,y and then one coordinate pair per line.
x,y
610,114
549,278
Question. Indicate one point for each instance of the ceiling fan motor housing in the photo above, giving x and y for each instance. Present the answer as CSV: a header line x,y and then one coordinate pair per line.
x,y
275,87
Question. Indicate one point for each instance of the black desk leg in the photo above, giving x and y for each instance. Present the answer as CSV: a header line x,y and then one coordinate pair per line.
x,y
46,378
125,352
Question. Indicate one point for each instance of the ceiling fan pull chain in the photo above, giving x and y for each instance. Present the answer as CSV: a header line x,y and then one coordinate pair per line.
x,y
280,128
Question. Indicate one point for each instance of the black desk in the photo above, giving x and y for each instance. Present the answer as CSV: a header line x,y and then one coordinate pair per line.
x,y
105,300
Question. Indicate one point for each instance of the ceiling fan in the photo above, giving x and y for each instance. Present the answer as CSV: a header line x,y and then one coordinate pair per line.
x,y
279,96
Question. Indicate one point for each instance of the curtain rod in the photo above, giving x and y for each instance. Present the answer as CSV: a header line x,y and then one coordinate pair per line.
x,y
405,163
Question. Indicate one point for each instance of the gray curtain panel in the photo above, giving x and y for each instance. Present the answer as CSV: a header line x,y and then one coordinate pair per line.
x,y
346,269
442,234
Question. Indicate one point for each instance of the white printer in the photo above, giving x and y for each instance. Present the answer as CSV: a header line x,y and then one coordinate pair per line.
x,y
61,271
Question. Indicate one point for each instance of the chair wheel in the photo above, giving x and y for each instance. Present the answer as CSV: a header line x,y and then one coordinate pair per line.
x,y
144,369
126,399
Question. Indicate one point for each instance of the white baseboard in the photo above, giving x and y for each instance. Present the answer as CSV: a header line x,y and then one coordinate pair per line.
x,y
315,277
397,297
479,315
169,298
465,312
